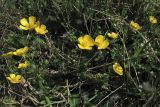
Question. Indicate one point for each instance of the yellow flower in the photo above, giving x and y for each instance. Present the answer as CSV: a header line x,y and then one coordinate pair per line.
x,y
118,69
41,29
21,51
14,79
101,42
152,19
86,42
23,65
8,54
28,24
113,35
135,26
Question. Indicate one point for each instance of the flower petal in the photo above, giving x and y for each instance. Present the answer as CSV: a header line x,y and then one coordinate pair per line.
x,y
99,39
24,22
80,40
21,51
81,46
18,77
14,81
43,27
37,29
103,45
44,32
32,21
101,42
113,35
89,41
23,27
152,19
135,26
19,65
9,78
37,23
88,48
118,69
12,76
9,54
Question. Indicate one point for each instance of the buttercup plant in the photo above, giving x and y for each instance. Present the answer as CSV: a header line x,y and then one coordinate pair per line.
x,y
153,20
8,54
101,42
18,52
86,42
41,29
97,69
135,26
113,35
118,68
23,65
21,51
13,78
28,24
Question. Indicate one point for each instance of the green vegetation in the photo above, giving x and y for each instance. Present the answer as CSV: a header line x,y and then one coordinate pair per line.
x,y
60,74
